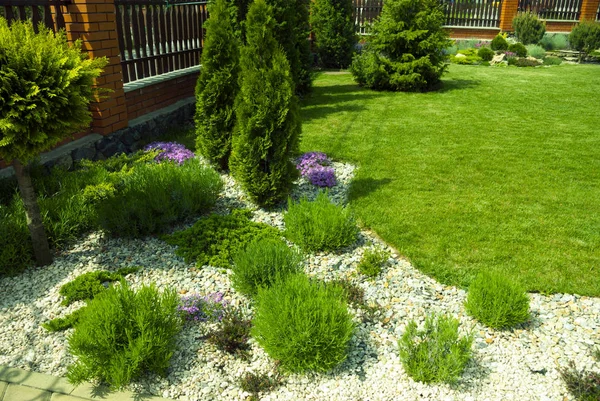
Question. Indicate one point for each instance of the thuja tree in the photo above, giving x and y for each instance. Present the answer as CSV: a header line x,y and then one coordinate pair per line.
x,y
268,125
406,49
332,24
238,10
45,89
217,86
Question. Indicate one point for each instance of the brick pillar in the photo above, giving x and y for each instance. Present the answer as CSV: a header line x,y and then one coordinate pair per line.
x,y
589,8
507,13
93,21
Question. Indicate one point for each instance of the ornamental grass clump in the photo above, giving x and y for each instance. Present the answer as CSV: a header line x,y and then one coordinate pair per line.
x,y
436,353
373,261
198,308
170,151
496,301
263,262
303,324
319,225
123,334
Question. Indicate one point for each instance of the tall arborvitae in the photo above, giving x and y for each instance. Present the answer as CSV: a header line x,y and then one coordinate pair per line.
x,y
268,125
333,26
217,86
304,78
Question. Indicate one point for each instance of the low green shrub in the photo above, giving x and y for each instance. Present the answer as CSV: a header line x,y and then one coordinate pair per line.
x,y
550,60
486,53
583,385
524,62
536,51
518,48
263,262
436,353
555,41
496,301
256,383
15,243
528,28
303,324
215,239
319,225
88,285
123,333
233,334
585,36
499,43
355,296
64,323
156,195
466,57
373,261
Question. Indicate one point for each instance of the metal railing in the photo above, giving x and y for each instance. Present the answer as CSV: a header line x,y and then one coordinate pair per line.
x,y
564,10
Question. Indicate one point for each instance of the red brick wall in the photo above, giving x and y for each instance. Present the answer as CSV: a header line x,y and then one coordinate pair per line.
x,y
468,33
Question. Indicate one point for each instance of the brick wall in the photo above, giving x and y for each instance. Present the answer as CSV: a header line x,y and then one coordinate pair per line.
x,y
468,33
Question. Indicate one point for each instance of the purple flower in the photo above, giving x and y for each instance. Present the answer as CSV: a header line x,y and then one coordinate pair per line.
x,y
322,176
510,54
311,159
198,308
170,151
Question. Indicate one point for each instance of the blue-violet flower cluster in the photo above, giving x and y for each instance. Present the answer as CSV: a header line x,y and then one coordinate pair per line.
x,y
315,167
198,308
170,151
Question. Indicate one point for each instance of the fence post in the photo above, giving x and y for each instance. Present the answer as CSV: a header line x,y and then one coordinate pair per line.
x,y
589,8
93,21
507,13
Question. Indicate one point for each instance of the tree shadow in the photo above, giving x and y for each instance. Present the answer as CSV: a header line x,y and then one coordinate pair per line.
x,y
450,85
361,187
332,99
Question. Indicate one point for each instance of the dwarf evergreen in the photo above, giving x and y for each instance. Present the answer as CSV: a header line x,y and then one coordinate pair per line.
x,y
217,86
268,125
332,24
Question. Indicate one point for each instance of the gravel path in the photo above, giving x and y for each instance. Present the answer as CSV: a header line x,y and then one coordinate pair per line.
x,y
519,364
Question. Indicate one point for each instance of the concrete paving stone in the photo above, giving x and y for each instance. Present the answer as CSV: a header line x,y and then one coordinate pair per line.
x,y
90,391
3,386
65,397
37,380
16,392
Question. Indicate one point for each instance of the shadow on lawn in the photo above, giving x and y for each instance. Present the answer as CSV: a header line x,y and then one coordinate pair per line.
x,y
449,85
335,99
361,187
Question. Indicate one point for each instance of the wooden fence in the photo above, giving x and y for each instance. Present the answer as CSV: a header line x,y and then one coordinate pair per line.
x,y
470,13
48,12
564,10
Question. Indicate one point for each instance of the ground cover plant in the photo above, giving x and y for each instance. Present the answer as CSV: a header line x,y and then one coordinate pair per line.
x,y
256,383
319,225
458,195
215,239
88,285
197,308
315,166
435,353
233,333
372,262
583,385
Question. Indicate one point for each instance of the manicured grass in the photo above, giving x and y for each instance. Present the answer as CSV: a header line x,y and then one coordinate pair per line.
x,y
499,170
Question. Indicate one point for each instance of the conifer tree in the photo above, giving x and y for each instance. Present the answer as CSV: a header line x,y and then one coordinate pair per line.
x,y
217,86
268,125
332,24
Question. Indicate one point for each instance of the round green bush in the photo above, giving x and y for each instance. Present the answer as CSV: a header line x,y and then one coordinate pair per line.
x,y
519,49
585,36
486,53
528,28
302,323
552,60
263,262
536,51
499,43
497,302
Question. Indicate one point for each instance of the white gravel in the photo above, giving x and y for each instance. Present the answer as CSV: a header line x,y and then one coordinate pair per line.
x,y
518,364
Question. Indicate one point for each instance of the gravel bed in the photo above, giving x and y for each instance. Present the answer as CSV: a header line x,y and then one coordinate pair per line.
x,y
516,364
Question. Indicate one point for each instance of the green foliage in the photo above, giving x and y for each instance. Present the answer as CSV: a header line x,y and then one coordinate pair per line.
x,y
466,57
256,383
523,62
555,41
499,43
15,244
263,262
518,48
64,323
88,285
214,240
233,334
583,385
268,126
123,333
45,89
536,51
319,225
333,26
550,60
436,353
585,36
304,324
217,86
486,53
406,51
355,296
496,301
528,28
372,262
156,195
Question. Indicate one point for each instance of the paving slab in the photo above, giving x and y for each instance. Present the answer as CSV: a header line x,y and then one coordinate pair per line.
x,y
65,397
91,392
3,386
16,392
37,380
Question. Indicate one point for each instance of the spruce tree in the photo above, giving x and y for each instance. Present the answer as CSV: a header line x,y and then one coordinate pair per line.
x,y
332,24
268,125
217,86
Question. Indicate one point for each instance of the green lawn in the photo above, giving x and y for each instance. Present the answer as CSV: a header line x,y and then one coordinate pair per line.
x,y
498,170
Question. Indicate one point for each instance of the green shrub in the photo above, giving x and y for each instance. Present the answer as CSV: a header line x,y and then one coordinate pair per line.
x,y
497,302
583,385
528,28
217,86
466,57
585,36
263,262
523,62
64,323
550,60
88,285
15,243
436,353
519,49
156,195
255,383
555,41
233,334
333,26
486,53
303,324
319,225
372,262
499,43
122,334
536,51
268,124
406,49
215,239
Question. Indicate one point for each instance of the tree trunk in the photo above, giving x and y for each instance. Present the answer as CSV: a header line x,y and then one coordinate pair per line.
x,y
41,249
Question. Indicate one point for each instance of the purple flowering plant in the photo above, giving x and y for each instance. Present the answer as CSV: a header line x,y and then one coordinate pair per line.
x,y
170,151
314,167
199,308
322,176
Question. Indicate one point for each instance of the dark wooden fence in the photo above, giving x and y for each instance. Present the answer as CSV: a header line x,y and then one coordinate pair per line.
x,y
598,13
48,12
156,37
365,11
565,10
473,13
